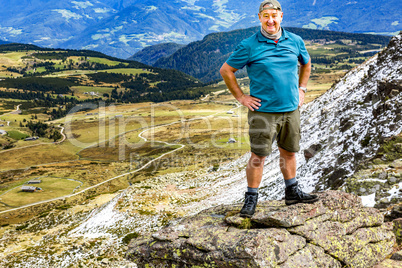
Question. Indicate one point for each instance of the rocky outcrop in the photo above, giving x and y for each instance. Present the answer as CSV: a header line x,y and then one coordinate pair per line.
x,y
382,180
336,231
346,126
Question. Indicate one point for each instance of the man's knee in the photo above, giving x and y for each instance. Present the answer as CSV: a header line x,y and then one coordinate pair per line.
x,y
256,161
286,154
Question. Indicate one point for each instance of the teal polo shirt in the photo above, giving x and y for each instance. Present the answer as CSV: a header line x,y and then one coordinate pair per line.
x,y
272,69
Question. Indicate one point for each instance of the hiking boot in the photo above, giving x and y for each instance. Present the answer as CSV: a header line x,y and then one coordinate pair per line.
x,y
250,203
294,195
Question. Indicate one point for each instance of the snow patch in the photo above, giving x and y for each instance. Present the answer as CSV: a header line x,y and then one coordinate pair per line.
x,y
100,36
368,180
368,200
106,33
67,14
191,2
395,192
11,31
88,17
89,47
42,39
201,15
194,8
99,221
153,37
82,5
150,8
101,10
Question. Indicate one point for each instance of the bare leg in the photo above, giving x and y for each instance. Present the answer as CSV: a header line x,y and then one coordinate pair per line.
x,y
254,170
287,164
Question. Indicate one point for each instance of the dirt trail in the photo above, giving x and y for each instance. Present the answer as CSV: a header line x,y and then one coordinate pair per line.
x,y
33,145
131,172
17,111
62,133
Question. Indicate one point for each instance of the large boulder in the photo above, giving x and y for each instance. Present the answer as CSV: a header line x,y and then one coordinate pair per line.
x,y
336,231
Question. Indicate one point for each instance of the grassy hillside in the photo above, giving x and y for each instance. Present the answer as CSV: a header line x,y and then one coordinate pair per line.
x,y
108,141
334,50
114,102
55,78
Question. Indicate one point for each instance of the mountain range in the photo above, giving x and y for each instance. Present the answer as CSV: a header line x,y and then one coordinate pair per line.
x,y
121,28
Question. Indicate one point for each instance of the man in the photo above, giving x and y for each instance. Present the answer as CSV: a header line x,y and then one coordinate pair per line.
x,y
276,91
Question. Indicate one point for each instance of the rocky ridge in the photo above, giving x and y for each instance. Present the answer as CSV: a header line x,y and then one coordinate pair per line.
x,y
337,231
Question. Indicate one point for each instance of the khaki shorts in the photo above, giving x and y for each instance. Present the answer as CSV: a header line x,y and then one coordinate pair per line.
x,y
267,127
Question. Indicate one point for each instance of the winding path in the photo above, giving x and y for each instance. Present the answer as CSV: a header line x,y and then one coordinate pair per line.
x,y
131,172
33,145
16,111
62,133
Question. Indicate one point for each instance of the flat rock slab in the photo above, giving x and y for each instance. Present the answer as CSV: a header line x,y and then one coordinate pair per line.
x,y
336,231
389,263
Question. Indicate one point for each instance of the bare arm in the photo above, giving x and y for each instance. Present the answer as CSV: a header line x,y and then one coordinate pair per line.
x,y
304,75
228,74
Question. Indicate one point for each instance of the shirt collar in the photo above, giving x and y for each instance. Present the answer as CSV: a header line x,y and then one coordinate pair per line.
x,y
262,38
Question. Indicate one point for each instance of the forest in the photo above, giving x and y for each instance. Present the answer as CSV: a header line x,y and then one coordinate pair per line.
x,y
148,84
39,84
